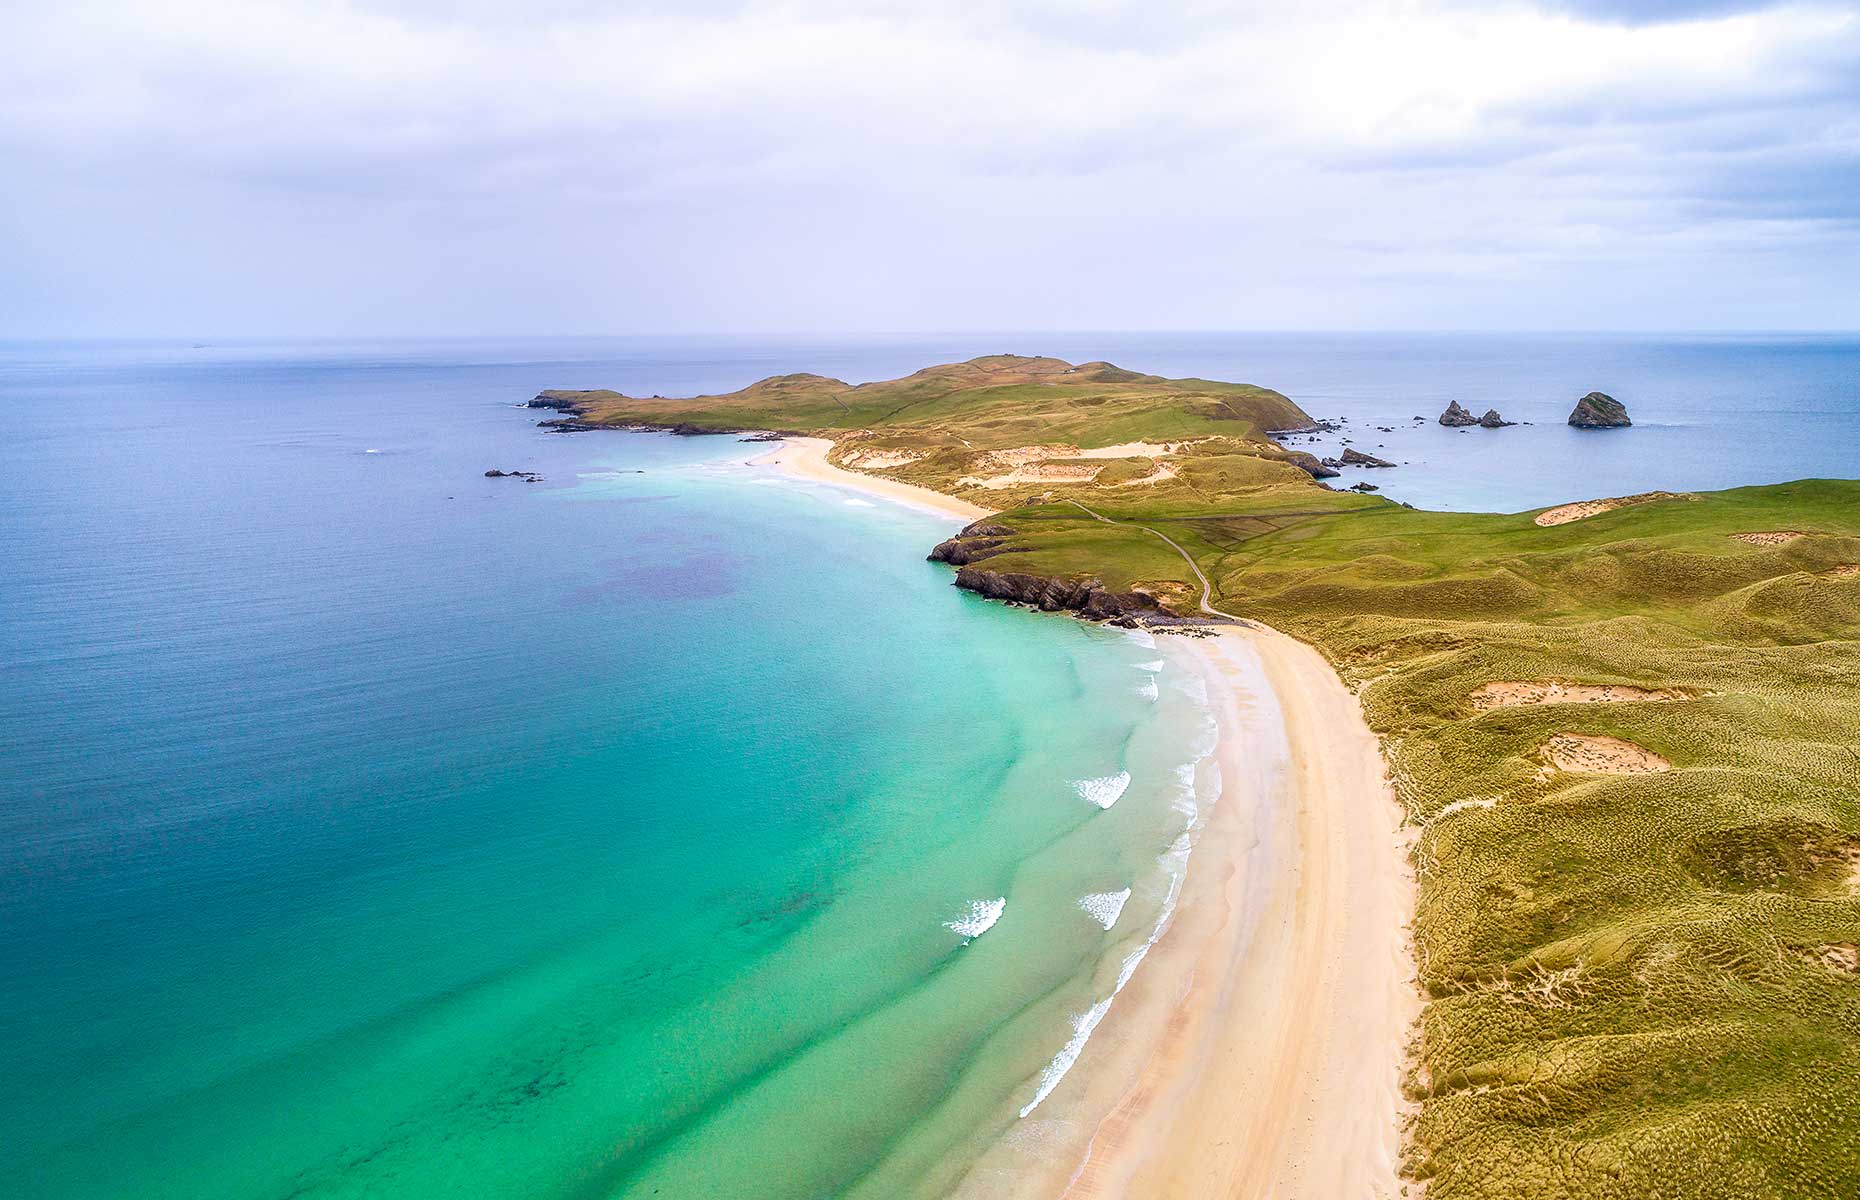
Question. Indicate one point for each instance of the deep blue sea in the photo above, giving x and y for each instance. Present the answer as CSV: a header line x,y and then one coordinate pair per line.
x,y
667,827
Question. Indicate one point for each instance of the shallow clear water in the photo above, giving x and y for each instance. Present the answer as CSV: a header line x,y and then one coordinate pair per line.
x,y
371,827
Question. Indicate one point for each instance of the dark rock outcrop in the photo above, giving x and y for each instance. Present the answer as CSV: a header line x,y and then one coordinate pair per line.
x,y
978,540
1356,458
1492,420
1457,415
525,476
1599,411
1364,487
1310,464
1086,597
559,402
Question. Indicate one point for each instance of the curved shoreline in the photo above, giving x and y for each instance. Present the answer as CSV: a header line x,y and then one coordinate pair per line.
x,y
1261,1049
1277,1072
806,457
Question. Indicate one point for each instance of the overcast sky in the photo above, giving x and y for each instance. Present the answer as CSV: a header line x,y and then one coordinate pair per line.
x,y
248,167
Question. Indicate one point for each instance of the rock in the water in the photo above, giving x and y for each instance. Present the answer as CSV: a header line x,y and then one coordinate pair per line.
x,y
1492,420
1311,464
525,476
1364,487
1599,411
1356,458
1457,415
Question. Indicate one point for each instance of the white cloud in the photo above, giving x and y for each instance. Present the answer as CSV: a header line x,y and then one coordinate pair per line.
x,y
229,165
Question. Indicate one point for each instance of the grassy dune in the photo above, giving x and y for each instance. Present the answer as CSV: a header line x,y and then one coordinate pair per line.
x,y
1641,984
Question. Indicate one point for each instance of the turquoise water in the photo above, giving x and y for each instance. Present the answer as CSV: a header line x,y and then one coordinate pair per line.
x,y
368,827
374,828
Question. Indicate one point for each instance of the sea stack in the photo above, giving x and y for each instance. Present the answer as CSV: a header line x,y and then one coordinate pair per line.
x,y
1599,411
1457,415
1492,420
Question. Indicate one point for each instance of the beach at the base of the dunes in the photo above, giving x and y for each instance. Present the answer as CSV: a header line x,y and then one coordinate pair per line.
x,y
1260,1048
806,458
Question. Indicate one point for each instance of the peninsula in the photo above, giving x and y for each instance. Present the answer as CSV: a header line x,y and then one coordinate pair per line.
x,y
1619,733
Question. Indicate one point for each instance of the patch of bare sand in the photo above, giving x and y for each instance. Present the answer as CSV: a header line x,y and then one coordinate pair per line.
x,y
1564,514
1841,957
1508,693
1597,754
1163,471
1843,571
1131,450
1769,537
877,460
1039,472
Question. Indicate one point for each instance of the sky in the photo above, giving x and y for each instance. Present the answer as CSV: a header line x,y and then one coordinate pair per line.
x,y
190,168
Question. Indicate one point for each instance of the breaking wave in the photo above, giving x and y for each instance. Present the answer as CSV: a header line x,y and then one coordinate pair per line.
x,y
1104,791
1105,907
978,918
1082,1025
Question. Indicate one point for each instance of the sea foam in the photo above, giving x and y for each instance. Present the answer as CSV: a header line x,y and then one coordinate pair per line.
x,y
1082,1025
1151,667
978,918
1105,907
1148,690
1104,791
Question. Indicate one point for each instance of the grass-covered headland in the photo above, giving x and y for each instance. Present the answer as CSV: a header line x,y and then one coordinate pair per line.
x,y
1631,743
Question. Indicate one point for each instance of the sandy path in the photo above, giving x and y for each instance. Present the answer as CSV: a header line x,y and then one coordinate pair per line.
x,y
807,458
1276,1071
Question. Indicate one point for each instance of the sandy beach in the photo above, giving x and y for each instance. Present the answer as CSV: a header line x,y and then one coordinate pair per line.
x,y
806,457
1276,1070
1259,1050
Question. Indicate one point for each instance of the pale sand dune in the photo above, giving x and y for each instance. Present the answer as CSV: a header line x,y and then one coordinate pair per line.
x,y
807,458
1564,514
1508,693
1769,537
1049,471
1163,472
1598,754
1131,450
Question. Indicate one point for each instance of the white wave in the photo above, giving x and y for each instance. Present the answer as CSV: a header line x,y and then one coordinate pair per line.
x,y
978,918
1105,907
861,503
371,451
1104,791
1148,691
1142,637
1151,667
1082,1025
1185,801
1194,687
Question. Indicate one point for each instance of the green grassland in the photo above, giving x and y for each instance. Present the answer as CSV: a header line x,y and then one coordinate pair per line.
x,y
1638,985
986,403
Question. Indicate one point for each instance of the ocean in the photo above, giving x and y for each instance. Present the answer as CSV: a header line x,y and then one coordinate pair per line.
x,y
666,827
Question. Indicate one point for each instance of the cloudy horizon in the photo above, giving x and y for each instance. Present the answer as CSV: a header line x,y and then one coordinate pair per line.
x,y
215,168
